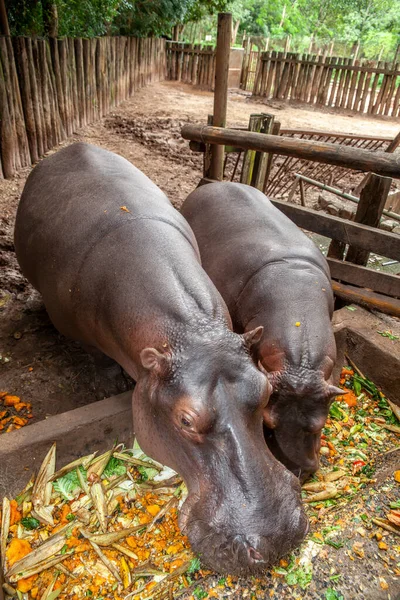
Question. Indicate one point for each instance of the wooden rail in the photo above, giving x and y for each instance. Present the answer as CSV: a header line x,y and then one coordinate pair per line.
x,y
50,88
360,86
351,158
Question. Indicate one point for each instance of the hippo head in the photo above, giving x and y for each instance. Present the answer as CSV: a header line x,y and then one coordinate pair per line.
x,y
295,416
198,408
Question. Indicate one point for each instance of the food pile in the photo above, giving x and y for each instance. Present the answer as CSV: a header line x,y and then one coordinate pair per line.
x,y
101,527
14,413
105,527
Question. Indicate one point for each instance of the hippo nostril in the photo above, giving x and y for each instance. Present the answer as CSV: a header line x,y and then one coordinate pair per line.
x,y
253,555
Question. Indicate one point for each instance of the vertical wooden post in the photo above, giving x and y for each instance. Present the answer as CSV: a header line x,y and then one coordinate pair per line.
x,y
369,211
4,27
221,89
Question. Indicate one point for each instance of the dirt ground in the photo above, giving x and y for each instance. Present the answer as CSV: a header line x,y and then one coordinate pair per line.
x,y
55,374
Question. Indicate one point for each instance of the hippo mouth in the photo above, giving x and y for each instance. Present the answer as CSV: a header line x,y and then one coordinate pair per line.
x,y
239,553
301,469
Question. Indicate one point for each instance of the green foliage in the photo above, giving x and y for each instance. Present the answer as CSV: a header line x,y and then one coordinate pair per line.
x,y
374,23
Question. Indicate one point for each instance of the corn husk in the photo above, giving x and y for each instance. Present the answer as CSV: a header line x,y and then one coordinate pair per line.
x,y
126,573
44,552
35,568
329,492
99,464
137,461
108,539
125,551
107,563
42,489
26,492
100,504
5,527
84,461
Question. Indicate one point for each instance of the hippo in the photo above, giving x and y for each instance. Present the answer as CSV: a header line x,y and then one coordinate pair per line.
x,y
271,274
119,269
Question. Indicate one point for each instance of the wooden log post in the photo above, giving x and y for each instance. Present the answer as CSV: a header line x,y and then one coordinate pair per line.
x,y
221,89
369,211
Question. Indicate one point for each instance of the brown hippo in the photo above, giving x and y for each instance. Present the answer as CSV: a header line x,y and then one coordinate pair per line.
x,y
271,274
118,268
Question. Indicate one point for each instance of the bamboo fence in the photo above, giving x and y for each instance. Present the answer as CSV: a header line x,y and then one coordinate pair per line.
x,y
48,89
358,85
191,64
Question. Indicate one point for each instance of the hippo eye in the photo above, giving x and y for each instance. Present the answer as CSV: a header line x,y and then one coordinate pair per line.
x,y
186,422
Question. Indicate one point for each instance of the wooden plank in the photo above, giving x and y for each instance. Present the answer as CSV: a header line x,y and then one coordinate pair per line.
x,y
385,304
384,283
375,240
351,158
369,211
372,97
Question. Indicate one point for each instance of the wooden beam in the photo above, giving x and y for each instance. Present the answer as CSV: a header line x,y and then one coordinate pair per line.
x,y
384,283
382,242
221,89
381,163
369,211
389,306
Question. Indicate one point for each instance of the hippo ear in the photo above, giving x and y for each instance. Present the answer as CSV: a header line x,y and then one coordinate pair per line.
x,y
253,337
155,361
269,418
333,391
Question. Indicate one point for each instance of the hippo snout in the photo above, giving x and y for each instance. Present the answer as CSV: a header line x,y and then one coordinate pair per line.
x,y
240,544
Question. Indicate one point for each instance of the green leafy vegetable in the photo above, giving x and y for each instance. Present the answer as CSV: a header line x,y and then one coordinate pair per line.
x,y
194,565
332,594
389,335
300,577
30,523
335,411
199,593
114,467
68,484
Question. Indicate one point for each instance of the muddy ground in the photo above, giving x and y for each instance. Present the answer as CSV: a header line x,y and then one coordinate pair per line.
x,y
55,374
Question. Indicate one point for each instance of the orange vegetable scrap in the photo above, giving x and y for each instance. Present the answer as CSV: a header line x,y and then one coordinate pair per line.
x,y
17,550
17,413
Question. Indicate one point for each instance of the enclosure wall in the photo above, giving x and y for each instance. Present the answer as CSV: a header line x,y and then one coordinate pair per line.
x,y
49,88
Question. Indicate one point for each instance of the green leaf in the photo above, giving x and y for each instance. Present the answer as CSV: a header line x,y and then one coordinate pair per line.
x,y
222,581
352,308
332,594
199,593
114,467
194,565
335,411
30,523
68,484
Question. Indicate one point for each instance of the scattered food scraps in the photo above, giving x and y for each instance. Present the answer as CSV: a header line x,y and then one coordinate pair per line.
x,y
14,413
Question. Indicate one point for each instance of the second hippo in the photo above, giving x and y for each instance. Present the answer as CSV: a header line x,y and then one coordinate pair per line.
x,y
271,274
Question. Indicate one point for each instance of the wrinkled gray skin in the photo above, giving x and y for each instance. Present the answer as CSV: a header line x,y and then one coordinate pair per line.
x,y
271,274
131,285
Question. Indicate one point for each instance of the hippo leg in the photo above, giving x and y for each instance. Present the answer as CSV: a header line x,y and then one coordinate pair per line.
x,y
109,377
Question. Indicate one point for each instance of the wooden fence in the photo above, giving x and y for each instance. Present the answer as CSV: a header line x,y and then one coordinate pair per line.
x,y
48,89
191,64
358,85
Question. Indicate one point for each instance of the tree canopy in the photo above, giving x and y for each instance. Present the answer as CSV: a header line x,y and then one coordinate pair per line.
x,y
375,23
